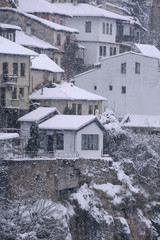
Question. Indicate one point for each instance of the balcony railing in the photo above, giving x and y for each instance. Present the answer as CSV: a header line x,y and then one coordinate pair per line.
x,y
9,79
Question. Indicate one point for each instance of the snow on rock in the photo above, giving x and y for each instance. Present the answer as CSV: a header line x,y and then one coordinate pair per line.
x,y
109,189
125,179
147,222
125,225
89,202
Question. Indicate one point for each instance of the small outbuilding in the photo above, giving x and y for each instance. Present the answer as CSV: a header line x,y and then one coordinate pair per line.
x,y
143,123
36,116
72,135
7,143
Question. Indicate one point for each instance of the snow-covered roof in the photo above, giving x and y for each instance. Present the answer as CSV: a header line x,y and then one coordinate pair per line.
x,y
83,9
32,41
148,50
140,121
7,136
47,23
44,63
38,114
65,91
41,6
9,47
67,122
9,26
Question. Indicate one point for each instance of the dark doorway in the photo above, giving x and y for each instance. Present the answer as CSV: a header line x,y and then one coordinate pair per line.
x,y
50,144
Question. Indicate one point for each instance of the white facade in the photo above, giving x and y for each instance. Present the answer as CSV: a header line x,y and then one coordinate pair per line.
x,y
130,92
102,33
93,128
72,136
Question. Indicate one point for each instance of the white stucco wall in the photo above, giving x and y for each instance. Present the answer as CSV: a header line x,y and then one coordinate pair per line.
x,y
142,90
96,33
91,41
90,129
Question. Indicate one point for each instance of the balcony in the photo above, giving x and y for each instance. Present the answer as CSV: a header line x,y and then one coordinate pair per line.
x,y
9,79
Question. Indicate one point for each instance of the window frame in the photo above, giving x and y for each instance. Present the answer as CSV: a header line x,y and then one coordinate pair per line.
x,y
15,69
137,68
90,142
123,68
88,27
23,69
79,109
59,141
123,90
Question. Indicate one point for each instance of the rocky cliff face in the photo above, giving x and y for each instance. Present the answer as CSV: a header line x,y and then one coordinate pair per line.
x,y
118,198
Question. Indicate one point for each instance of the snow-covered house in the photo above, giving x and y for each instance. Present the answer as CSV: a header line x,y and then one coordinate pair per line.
x,y
69,99
44,9
7,143
14,76
97,29
51,32
141,123
130,81
35,44
44,70
68,135
9,31
37,116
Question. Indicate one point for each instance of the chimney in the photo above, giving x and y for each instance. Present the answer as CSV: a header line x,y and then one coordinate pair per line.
x,y
103,4
28,29
75,2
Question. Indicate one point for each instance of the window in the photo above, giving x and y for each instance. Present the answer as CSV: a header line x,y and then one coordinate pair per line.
x,y
123,68
90,109
103,28
124,89
74,108
11,36
61,22
88,27
15,68
21,93
5,68
89,142
95,87
110,87
23,69
59,141
137,68
110,29
95,108
158,65
111,51
79,110
102,51
56,60
107,28
14,93
68,39
115,50
58,40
